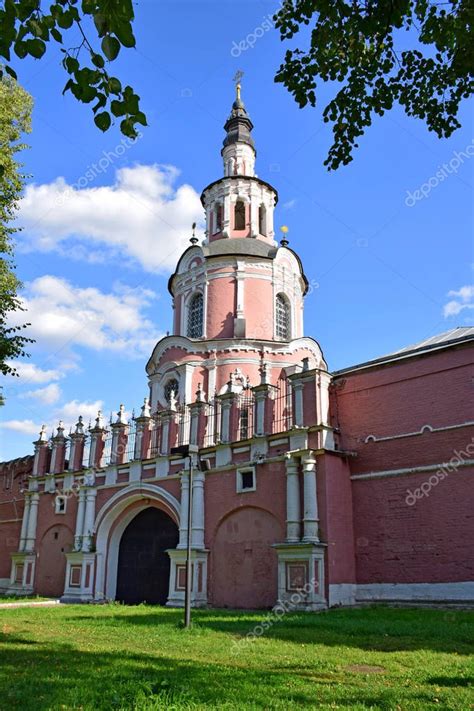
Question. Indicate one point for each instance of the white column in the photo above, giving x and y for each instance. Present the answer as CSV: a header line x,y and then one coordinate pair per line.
x,y
197,532
293,509
183,519
310,517
298,390
89,517
260,400
225,420
80,520
32,520
165,433
24,523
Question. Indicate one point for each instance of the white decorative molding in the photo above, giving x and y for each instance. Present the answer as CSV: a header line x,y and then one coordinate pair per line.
x,y
422,430
412,470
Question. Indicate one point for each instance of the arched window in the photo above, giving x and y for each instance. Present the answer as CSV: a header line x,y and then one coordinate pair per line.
x,y
282,318
218,217
195,316
171,386
239,215
262,220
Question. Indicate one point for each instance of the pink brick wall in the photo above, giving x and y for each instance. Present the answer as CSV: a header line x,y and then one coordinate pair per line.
x,y
429,541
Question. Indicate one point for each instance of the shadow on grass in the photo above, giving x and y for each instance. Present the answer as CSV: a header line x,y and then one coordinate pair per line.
x,y
373,629
62,677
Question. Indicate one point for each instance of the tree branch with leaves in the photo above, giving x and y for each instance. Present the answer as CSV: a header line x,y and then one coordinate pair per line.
x,y
353,43
15,120
27,28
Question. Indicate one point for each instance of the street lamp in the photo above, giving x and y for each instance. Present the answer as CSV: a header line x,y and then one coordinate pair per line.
x,y
188,450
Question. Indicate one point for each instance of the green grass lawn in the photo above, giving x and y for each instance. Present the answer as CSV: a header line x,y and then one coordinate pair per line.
x,y
117,657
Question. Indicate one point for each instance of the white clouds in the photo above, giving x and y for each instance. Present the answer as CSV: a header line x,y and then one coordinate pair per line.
x,y
23,426
463,299
289,205
31,373
70,411
143,216
63,316
48,395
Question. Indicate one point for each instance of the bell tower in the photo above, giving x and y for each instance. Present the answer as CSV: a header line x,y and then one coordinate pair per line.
x,y
239,205
238,296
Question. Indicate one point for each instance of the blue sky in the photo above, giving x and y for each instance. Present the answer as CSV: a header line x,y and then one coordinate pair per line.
x,y
104,221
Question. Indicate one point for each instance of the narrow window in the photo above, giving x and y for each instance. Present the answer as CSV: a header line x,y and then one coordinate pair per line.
x,y
195,316
282,318
218,218
244,423
239,215
171,386
246,480
262,220
60,504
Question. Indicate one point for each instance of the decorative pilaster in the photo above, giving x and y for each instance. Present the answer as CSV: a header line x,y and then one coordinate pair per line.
x,y
197,528
32,521
24,523
310,515
183,521
58,451
89,518
293,509
97,434
81,505
119,438
40,463
76,452
143,432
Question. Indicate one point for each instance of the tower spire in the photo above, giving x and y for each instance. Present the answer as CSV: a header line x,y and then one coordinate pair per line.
x,y
238,150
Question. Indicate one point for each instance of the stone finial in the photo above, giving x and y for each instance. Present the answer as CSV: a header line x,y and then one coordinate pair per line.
x,y
263,374
43,437
305,364
60,429
121,416
79,426
146,410
173,400
99,420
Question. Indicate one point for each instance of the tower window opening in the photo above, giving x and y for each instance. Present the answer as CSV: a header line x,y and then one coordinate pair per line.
x,y
171,386
244,423
282,318
262,220
218,218
239,215
195,316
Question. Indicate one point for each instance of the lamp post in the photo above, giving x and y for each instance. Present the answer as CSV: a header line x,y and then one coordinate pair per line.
x,y
188,450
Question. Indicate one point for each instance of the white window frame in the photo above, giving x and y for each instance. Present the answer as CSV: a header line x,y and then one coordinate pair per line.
x,y
57,504
245,470
186,314
289,313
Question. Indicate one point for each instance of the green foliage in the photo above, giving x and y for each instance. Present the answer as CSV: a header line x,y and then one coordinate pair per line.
x,y
353,43
27,26
15,119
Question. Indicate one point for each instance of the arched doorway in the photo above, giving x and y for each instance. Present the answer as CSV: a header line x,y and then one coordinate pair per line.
x,y
143,564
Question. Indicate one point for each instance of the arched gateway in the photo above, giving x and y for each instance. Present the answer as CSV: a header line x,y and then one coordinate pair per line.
x,y
143,569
